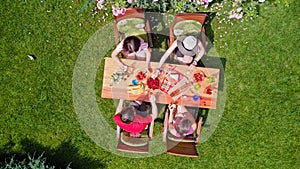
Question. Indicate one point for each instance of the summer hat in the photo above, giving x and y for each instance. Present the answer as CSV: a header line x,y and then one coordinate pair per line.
x,y
187,45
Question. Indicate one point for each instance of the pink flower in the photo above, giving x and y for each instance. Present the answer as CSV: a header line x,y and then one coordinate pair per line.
x,y
129,1
119,11
199,2
115,12
239,9
205,2
100,6
123,10
261,0
235,4
235,15
100,1
232,16
239,16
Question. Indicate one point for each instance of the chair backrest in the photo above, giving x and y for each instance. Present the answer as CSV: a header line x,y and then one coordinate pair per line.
x,y
133,22
184,22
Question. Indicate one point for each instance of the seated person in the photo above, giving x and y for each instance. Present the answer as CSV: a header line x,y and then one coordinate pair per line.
x,y
181,122
189,51
135,117
132,47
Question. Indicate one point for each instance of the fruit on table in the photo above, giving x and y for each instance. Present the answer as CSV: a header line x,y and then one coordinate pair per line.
x,y
197,86
210,79
208,90
199,76
140,76
153,83
136,89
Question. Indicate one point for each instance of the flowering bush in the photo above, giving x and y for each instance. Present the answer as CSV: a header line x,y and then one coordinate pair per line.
x,y
231,9
224,12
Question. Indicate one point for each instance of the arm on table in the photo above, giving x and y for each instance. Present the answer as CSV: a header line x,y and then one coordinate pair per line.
x,y
154,114
170,119
198,56
120,106
198,130
167,53
148,56
166,122
115,53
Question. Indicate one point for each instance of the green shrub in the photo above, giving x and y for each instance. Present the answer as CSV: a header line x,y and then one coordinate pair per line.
x,y
28,163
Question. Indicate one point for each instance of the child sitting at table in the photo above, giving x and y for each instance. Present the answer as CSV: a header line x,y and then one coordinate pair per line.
x,y
181,122
189,50
135,117
132,47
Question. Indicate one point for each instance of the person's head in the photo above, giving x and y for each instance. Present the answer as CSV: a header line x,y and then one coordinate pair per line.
x,y
131,44
127,114
183,127
188,45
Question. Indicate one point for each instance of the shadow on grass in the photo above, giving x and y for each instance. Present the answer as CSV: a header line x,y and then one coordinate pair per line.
x,y
61,157
209,33
203,112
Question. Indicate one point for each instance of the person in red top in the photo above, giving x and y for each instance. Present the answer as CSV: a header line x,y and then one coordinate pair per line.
x,y
135,117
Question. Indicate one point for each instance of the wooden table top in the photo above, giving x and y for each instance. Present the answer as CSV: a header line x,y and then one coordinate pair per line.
x,y
207,93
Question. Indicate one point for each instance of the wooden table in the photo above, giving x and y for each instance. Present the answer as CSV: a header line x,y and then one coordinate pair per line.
x,y
120,90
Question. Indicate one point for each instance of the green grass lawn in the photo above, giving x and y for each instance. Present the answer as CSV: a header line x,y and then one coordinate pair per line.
x,y
260,126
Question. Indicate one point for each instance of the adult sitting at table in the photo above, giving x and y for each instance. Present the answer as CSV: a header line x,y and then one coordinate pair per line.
x,y
181,122
189,50
135,117
132,47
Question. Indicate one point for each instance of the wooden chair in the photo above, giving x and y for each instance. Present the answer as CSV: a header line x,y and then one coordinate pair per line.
x,y
133,22
190,23
185,146
136,145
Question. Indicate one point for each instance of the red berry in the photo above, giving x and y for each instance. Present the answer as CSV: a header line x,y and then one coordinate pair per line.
x,y
209,91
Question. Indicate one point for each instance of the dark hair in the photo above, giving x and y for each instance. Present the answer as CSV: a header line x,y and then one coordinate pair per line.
x,y
131,44
127,114
183,127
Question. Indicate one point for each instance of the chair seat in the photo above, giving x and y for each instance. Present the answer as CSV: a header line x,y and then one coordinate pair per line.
x,y
132,27
134,145
187,27
133,141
